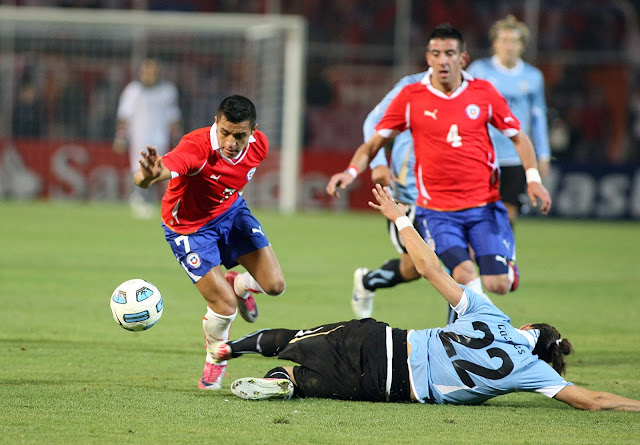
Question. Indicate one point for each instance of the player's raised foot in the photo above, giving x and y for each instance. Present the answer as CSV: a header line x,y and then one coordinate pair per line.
x,y
220,351
246,303
514,275
253,388
212,376
362,299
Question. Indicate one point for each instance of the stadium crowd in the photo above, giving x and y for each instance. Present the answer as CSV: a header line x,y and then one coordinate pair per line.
x,y
79,100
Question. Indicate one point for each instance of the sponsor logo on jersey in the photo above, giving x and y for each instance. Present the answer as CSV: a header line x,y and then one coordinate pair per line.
x,y
250,174
193,260
431,114
473,111
508,119
215,177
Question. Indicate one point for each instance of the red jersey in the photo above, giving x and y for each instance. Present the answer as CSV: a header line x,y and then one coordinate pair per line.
x,y
455,161
204,183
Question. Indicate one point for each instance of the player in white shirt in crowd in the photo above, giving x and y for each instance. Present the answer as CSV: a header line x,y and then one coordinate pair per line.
x,y
148,114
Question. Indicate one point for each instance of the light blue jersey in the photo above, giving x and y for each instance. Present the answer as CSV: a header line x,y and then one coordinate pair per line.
x,y
477,357
523,88
402,156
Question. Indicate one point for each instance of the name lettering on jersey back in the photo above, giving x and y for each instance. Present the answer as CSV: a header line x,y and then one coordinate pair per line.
x,y
509,340
431,114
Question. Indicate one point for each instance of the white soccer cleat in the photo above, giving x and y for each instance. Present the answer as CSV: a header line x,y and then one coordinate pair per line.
x,y
253,388
362,299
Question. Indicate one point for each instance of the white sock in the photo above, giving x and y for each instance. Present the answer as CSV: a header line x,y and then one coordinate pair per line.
x,y
244,283
216,328
476,286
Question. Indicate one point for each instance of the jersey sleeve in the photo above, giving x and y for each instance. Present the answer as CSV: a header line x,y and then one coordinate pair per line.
x,y
501,116
186,158
539,125
541,378
395,119
376,114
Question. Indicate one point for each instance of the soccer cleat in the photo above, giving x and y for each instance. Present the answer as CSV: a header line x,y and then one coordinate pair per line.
x,y
514,275
253,388
220,351
362,299
212,376
246,303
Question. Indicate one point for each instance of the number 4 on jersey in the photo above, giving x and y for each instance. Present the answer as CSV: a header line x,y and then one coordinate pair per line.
x,y
453,137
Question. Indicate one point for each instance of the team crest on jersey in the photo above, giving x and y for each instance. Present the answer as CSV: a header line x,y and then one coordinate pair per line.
x,y
250,174
473,111
193,260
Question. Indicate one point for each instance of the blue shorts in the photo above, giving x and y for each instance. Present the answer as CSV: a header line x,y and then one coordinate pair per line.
x,y
222,240
485,228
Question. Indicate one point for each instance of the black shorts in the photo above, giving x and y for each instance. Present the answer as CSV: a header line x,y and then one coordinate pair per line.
x,y
348,361
396,239
513,185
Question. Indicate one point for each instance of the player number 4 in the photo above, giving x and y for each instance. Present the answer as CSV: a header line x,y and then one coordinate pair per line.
x,y
453,137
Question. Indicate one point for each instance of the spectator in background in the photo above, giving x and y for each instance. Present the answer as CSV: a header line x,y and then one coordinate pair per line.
x,y
522,85
28,113
148,114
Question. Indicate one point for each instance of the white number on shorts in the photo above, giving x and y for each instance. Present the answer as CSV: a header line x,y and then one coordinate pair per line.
x,y
183,239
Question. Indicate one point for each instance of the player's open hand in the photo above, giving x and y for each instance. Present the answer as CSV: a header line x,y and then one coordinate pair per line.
x,y
386,204
537,191
150,164
339,181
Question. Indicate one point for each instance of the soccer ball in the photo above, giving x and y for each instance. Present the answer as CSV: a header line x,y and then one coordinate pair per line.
x,y
136,305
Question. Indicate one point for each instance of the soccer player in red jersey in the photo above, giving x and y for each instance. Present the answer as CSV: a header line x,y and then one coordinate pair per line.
x,y
458,203
208,224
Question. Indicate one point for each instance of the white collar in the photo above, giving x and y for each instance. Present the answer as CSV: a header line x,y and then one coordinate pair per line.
x,y
532,336
426,80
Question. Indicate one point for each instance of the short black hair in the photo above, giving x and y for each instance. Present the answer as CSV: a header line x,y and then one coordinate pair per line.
x,y
237,109
446,31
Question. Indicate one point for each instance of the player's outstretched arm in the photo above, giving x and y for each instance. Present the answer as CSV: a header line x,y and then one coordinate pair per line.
x,y
425,259
582,398
535,189
359,163
151,169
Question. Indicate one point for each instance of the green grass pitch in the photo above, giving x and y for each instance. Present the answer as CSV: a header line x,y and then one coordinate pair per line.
x,y
69,374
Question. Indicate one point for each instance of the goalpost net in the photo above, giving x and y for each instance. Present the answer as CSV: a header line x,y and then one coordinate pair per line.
x,y
62,71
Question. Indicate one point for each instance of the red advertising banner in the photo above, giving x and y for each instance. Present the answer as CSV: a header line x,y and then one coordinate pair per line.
x,y
31,169
73,170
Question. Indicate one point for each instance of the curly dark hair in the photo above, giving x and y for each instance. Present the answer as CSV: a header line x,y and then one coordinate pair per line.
x,y
551,347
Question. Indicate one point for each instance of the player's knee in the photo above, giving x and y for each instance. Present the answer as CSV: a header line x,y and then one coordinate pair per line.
x,y
497,284
275,287
464,272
